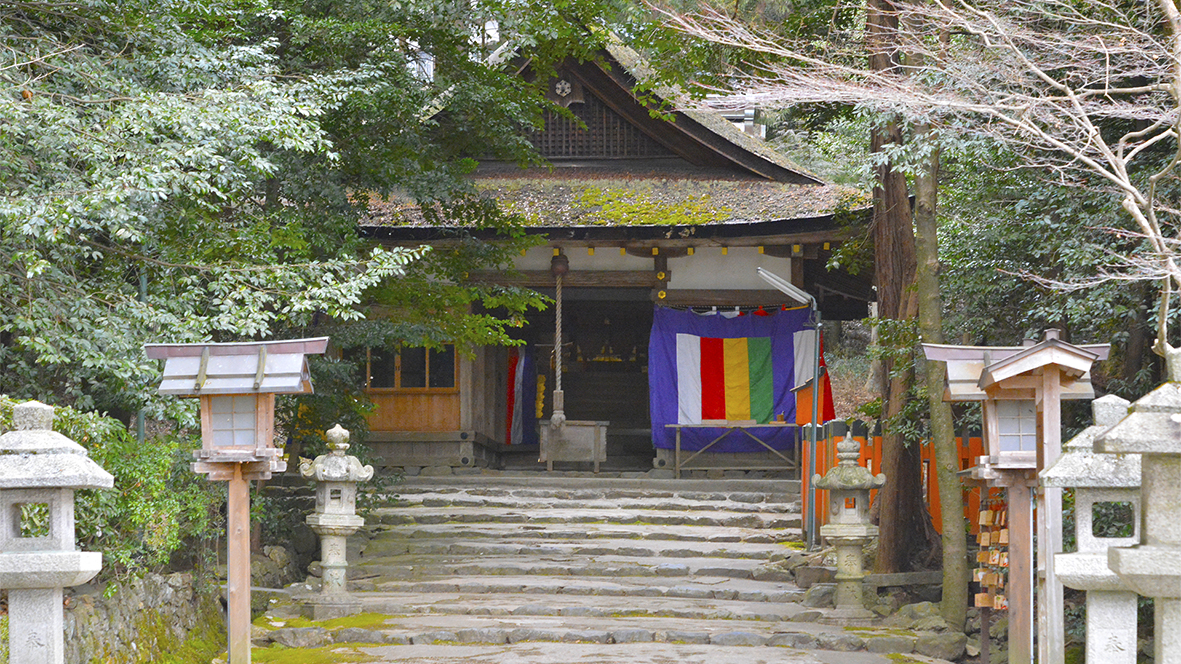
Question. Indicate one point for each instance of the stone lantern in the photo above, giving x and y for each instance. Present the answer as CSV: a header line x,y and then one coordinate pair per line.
x,y
848,528
1151,567
1097,479
39,471
334,519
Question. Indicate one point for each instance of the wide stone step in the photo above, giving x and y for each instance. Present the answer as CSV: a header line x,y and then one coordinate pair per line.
x,y
434,499
598,606
403,633
432,515
540,569
504,590
491,482
731,494
512,531
421,567
394,544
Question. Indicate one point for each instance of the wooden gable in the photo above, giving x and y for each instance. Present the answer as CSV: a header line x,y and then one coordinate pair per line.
x,y
973,370
619,126
596,132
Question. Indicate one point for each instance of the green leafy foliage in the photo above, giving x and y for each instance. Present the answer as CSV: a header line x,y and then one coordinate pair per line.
x,y
139,134
1002,226
34,520
157,505
897,347
190,173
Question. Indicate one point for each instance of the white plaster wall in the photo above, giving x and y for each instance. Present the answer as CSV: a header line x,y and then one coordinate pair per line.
x,y
707,268
605,258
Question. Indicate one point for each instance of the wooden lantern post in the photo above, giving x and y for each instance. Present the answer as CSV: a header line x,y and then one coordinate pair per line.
x,y
236,384
1020,390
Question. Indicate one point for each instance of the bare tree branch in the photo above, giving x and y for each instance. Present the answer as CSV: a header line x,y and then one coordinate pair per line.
x,y
1056,81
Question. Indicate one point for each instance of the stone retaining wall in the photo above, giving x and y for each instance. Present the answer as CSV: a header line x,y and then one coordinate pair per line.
x,y
141,619
136,620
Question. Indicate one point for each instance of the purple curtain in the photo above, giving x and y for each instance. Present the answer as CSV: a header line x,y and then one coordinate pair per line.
x,y
779,326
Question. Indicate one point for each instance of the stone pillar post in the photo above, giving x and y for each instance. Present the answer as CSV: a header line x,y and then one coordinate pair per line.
x,y
39,471
1152,429
848,528
1100,478
334,519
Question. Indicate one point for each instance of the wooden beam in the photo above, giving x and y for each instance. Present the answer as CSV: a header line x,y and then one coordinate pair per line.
x,y
797,272
723,298
810,250
573,279
1051,642
644,247
644,250
803,239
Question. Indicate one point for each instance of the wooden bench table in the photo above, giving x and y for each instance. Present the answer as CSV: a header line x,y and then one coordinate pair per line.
x,y
789,462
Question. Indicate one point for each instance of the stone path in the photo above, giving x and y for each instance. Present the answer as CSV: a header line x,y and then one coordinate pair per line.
x,y
555,569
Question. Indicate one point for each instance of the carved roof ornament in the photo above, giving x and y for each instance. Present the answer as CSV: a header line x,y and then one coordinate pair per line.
x,y
847,475
564,90
336,466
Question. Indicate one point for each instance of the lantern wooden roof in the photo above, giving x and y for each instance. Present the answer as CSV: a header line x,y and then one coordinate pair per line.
x,y
261,367
976,372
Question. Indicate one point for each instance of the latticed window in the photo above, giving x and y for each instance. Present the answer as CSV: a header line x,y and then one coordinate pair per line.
x,y
413,368
232,420
607,135
1017,420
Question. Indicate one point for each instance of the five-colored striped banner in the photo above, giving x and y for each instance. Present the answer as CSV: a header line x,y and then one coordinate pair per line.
x,y
724,379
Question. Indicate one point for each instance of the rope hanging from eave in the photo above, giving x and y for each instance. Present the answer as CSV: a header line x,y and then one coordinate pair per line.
x,y
558,419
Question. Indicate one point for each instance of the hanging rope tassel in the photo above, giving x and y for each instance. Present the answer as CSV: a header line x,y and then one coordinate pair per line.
x,y
558,419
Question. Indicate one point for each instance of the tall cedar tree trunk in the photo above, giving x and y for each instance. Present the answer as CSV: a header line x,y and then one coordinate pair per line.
x,y
951,498
903,521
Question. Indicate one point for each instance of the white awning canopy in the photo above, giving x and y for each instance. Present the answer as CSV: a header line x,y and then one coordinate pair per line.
x,y
277,367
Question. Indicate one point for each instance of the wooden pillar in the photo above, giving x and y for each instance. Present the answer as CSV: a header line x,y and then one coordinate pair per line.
x,y
1051,628
468,409
238,564
797,270
1021,569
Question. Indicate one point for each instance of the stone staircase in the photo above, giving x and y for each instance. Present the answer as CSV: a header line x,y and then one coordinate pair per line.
x,y
498,559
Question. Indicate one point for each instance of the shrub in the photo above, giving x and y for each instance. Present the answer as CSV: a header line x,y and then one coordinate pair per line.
x,y
156,502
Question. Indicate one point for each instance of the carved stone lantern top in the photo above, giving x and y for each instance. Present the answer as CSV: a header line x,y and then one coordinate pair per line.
x,y
1097,478
848,475
336,466
1152,429
34,456
1081,467
1153,425
40,469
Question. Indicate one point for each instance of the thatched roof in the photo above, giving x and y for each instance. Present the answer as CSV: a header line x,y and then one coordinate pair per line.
x,y
712,174
572,196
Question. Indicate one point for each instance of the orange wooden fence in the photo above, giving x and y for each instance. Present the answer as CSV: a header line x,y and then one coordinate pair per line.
x,y
871,458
